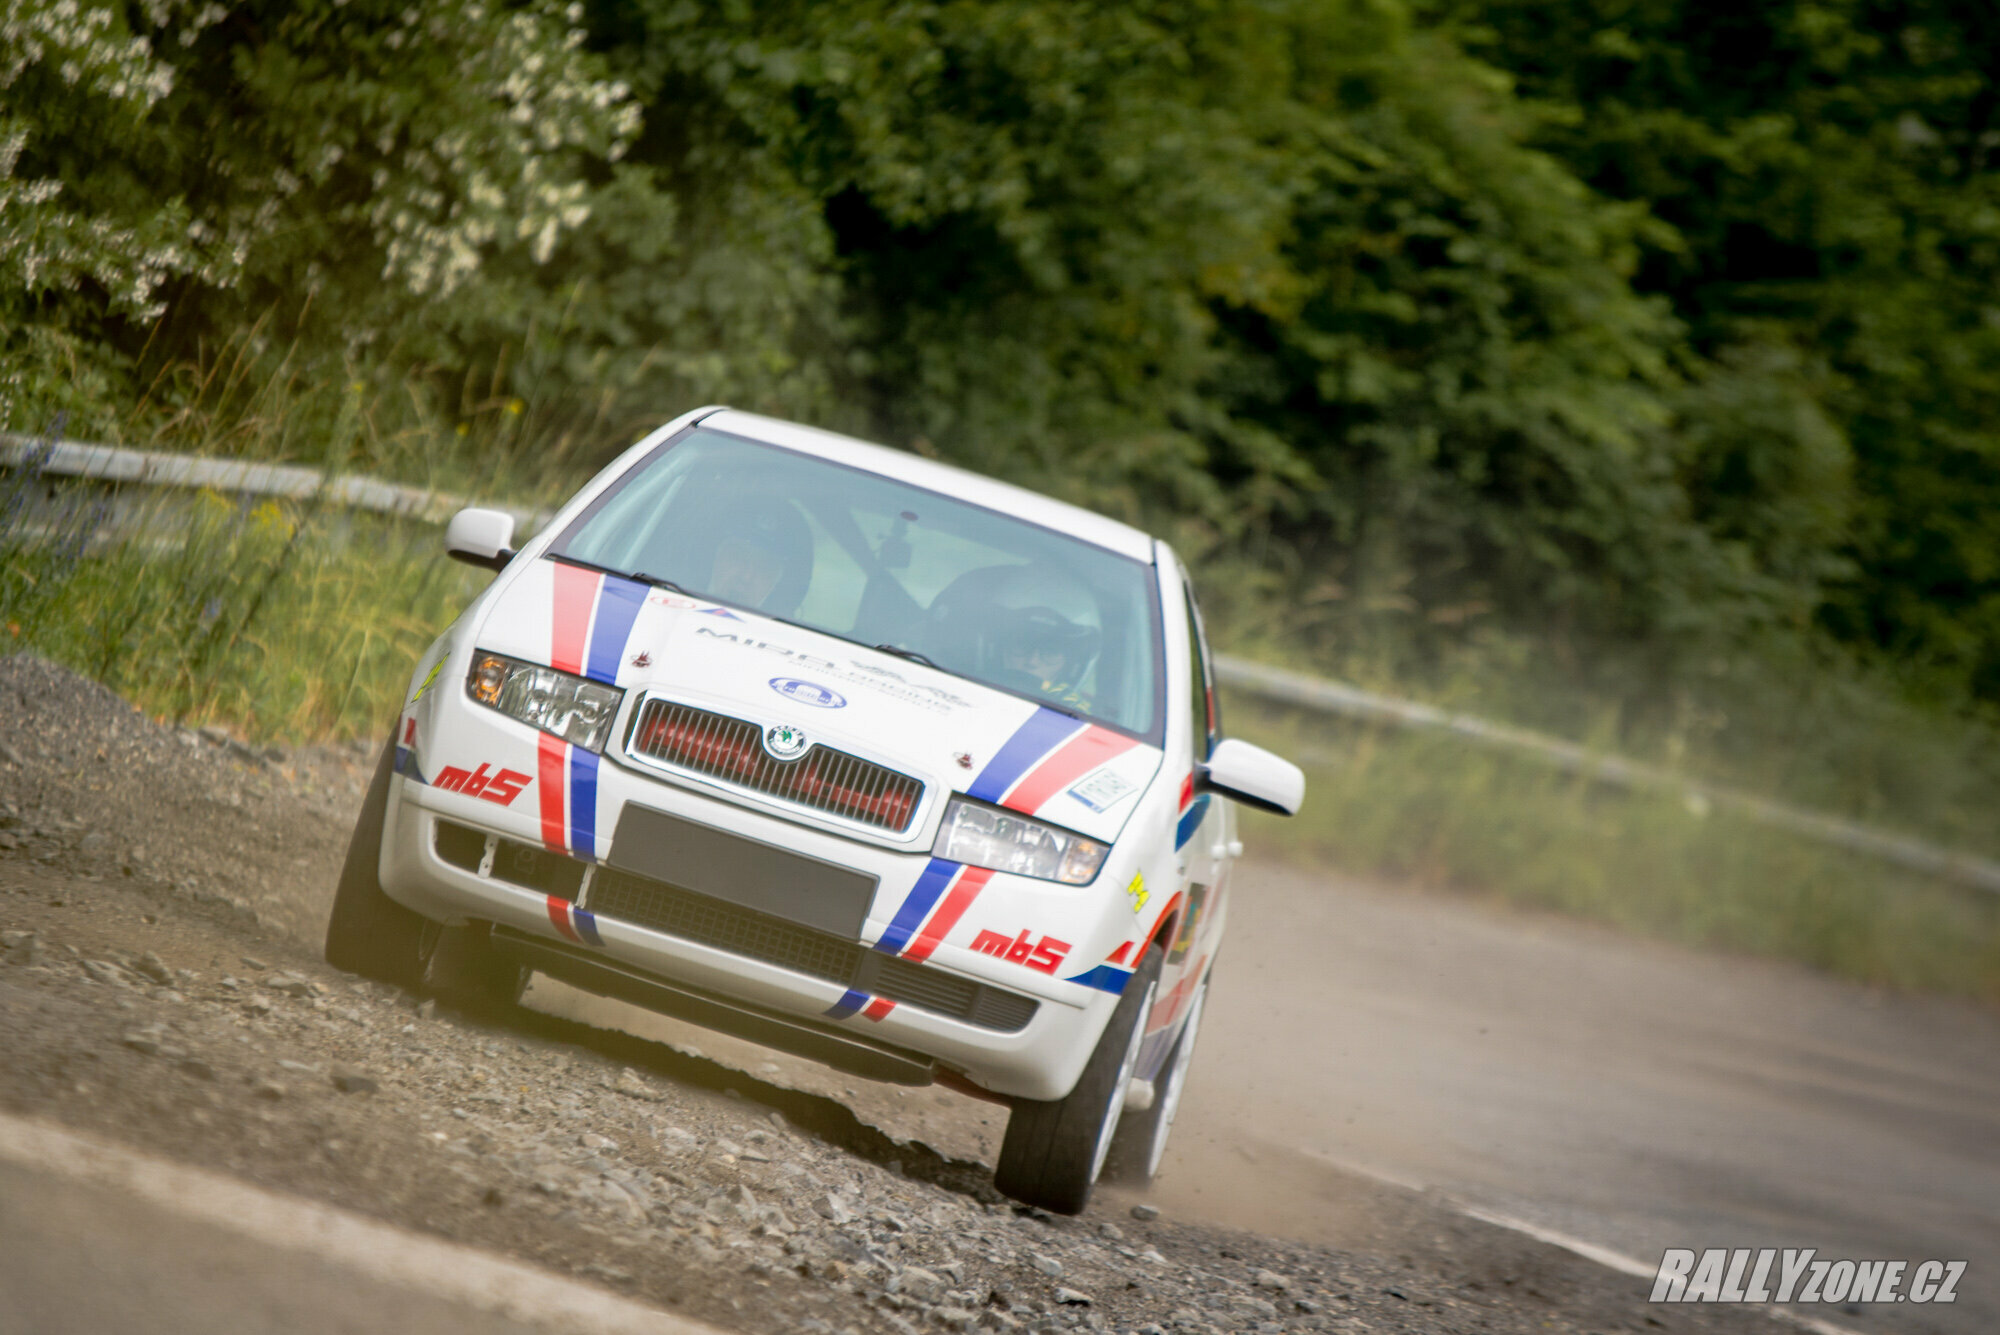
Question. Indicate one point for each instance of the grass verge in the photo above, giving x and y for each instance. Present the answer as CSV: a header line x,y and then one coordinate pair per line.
x,y
1428,810
277,621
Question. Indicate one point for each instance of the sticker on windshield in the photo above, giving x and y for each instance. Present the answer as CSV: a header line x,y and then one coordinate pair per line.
x,y
676,602
1103,790
808,693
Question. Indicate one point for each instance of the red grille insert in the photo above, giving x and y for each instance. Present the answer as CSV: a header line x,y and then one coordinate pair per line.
x,y
732,750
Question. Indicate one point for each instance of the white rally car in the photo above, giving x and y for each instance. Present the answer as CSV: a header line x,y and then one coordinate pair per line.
x,y
851,753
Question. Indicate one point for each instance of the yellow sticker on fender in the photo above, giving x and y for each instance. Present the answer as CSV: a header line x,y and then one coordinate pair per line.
x,y
1137,891
436,668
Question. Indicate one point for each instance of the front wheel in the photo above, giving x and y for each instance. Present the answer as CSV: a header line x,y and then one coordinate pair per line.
x,y
1141,1140
1054,1149
462,967
370,933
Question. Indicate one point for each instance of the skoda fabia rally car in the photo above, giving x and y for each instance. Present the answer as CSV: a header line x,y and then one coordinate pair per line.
x,y
841,750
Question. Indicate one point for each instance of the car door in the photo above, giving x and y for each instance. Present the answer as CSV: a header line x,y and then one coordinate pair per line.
x,y
1202,831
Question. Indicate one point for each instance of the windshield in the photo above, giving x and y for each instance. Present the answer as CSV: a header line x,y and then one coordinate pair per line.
x,y
973,591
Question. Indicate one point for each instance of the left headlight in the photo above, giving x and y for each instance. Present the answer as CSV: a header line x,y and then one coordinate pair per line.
x,y
573,709
987,836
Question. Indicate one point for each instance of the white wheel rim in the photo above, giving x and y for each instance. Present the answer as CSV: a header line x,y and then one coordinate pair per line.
x,y
1116,1107
1170,1097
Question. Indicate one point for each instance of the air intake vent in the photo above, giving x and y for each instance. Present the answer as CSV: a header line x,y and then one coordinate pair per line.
x,y
732,750
692,917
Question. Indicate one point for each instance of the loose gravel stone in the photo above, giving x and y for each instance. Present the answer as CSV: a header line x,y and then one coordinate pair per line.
x,y
153,967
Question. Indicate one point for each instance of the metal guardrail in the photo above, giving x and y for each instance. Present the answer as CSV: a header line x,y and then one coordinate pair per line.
x,y
149,468
1332,697
106,463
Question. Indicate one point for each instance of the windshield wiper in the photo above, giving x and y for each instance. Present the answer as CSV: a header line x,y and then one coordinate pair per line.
x,y
659,583
900,652
636,576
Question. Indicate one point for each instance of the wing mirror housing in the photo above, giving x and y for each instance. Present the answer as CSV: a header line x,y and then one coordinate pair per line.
x,y
483,538
1253,776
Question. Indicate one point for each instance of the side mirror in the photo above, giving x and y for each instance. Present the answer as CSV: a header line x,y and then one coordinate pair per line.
x,y
1253,776
481,538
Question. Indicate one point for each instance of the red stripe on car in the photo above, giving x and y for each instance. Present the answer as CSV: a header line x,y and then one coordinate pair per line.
x,y
559,915
956,901
550,752
575,599
1074,759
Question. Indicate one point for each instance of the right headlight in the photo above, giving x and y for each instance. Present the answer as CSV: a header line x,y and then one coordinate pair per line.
x,y
572,708
989,836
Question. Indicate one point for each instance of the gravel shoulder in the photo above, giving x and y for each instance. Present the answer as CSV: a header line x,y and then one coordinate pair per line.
x,y
161,898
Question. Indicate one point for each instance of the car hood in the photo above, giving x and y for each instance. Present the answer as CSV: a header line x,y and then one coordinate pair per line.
x,y
945,730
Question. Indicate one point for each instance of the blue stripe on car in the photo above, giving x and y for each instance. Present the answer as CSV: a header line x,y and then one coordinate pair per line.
x,y
1190,821
1105,978
583,802
1030,742
617,608
922,898
406,765
850,1002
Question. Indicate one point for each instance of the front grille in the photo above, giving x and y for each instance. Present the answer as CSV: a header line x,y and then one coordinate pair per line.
x,y
710,922
732,750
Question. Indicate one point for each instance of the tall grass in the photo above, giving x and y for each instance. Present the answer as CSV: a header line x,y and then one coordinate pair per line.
x,y
1425,809
263,617
283,620
1783,715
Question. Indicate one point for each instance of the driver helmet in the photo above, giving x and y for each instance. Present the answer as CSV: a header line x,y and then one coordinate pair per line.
x,y
759,553
1045,627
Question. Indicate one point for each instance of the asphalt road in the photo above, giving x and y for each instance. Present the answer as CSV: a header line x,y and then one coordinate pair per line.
x,y
1629,1094
1626,1094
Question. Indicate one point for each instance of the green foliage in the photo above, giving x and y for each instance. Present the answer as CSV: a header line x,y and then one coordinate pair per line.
x,y
1652,329
351,164
1827,171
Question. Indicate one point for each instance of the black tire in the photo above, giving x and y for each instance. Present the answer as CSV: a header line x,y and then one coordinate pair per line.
x,y
1141,1139
370,933
1054,1150
461,966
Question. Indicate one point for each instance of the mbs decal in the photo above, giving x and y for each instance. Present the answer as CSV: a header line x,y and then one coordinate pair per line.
x,y
502,787
1044,955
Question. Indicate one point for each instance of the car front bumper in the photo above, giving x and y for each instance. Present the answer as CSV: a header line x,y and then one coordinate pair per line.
x,y
806,994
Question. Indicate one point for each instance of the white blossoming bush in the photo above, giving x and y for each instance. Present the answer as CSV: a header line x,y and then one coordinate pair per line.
x,y
448,129
73,78
211,163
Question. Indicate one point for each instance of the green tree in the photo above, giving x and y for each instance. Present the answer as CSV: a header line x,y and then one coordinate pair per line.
x,y
1827,169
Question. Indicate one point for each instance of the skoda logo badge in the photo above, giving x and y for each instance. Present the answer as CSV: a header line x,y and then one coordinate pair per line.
x,y
808,693
785,742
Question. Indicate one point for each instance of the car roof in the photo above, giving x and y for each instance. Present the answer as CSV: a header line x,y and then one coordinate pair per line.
x,y
957,483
